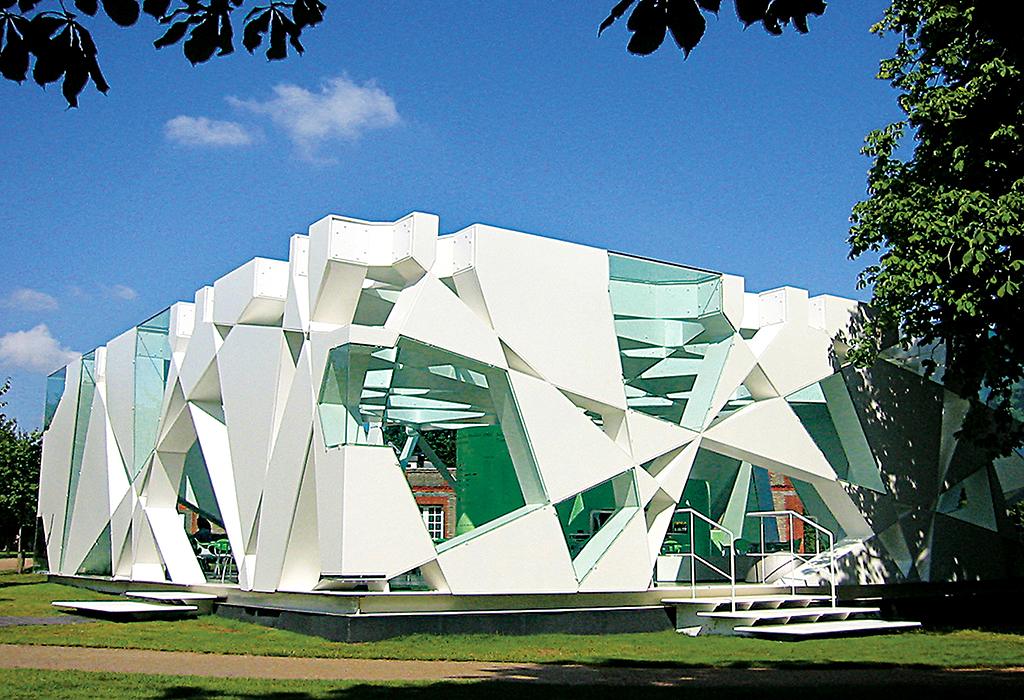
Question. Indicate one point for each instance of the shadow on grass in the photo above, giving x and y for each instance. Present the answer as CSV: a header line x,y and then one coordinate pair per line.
x,y
721,686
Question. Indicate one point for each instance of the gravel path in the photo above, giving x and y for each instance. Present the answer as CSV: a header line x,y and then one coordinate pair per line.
x,y
229,666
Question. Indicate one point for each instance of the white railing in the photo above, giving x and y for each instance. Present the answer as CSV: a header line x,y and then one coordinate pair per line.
x,y
694,557
794,555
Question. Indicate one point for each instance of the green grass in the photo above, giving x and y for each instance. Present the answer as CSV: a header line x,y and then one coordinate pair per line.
x,y
23,684
211,634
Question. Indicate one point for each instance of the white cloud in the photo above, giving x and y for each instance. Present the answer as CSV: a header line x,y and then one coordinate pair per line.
x,y
341,109
201,131
123,291
34,350
25,299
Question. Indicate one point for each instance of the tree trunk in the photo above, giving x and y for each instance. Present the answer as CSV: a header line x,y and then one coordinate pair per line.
x,y
21,553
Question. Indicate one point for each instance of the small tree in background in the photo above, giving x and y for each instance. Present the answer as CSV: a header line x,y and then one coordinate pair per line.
x,y
20,455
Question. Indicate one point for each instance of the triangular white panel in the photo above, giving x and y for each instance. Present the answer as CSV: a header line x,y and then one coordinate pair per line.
x,y
249,362
382,529
494,560
572,345
646,486
90,511
120,392
213,440
768,434
796,357
572,453
658,516
434,315
301,567
626,565
673,475
198,373
651,437
285,471
174,546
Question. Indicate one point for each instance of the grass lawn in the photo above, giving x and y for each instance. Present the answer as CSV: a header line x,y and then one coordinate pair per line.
x,y
24,684
25,596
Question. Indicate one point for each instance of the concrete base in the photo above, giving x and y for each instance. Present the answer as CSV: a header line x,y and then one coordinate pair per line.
x,y
373,627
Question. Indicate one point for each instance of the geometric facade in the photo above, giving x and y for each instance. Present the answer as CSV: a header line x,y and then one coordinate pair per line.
x,y
495,412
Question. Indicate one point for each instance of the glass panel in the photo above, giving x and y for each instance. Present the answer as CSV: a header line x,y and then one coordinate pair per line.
x,y
54,393
98,561
591,520
452,422
83,412
152,362
673,337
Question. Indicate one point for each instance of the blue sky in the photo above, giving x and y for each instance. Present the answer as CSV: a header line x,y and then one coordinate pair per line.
x,y
743,158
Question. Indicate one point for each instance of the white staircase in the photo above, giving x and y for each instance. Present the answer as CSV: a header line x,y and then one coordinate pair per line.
x,y
778,617
783,616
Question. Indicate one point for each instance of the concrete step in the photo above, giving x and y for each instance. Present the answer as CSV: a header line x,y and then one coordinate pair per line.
x,y
788,613
171,596
832,628
747,602
124,609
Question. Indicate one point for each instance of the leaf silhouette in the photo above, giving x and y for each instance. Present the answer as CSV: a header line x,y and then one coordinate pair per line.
x,y
14,51
156,8
615,15
202,41
256,26
307,13
173,35
89,7
124,12
650,19
63,47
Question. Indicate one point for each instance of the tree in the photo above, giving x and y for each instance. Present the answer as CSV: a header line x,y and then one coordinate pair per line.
x,y
650,20
946,219
20,454
56,45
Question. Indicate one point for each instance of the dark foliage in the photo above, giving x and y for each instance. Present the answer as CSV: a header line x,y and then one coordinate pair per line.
x,y
650,20
55,45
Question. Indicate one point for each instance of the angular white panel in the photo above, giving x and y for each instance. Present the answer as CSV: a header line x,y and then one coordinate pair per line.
x,y
797,356
181,325
120,392
253,294
573,345
296,309
174,546
626,565
651,437
646,486
752,434
382,529
733,300
249,363
198,374
673,475
301,568
90,511
572,453
55,466
285,471
434,315
213,440
526,554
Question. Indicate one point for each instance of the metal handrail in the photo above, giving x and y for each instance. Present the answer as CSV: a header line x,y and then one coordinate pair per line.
x,y
694,557
761,515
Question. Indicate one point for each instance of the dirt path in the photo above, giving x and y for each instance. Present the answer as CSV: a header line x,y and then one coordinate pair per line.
x,y
226,666
11,564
